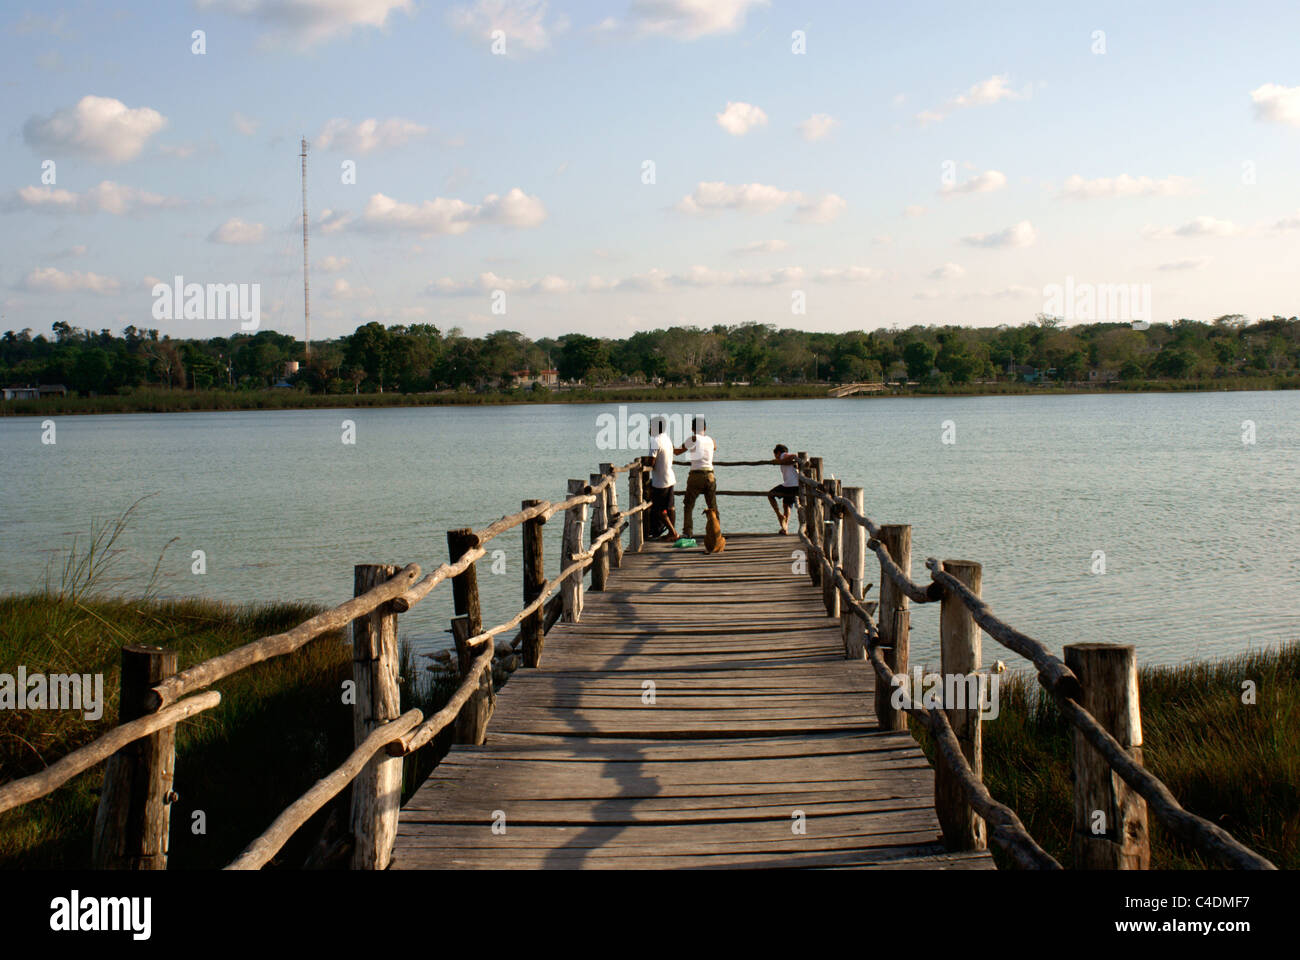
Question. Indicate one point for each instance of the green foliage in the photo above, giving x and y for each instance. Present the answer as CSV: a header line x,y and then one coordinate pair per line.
x,y
420,358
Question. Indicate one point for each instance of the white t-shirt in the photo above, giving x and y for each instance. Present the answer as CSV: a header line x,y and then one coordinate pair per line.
x,y
790,474
661,448
701,451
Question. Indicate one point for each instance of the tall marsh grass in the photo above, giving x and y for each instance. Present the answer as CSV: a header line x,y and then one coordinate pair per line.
x,y
1236,764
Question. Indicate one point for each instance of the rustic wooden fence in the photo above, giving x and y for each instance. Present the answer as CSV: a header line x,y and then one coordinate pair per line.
x,y
132,820
1095,687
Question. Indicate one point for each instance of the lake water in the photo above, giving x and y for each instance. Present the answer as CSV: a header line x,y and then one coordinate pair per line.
x,y
1199,529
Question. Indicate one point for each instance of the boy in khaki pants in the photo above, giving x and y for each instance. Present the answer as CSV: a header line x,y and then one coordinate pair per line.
x,y
700,480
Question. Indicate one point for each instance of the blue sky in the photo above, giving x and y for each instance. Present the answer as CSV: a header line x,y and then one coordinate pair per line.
x,y
940,164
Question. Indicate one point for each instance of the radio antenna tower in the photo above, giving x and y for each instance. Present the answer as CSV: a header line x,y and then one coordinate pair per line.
x,y
306,285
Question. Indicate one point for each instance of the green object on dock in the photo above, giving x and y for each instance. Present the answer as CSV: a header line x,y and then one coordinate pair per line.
x,y
685,542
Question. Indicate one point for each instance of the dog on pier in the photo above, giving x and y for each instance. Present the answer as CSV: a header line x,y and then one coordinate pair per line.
x,y
714,541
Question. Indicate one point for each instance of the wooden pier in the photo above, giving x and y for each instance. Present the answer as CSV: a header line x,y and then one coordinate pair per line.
x,y
701,714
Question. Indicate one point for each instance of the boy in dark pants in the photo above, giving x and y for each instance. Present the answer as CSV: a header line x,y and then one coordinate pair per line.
x,y
788,488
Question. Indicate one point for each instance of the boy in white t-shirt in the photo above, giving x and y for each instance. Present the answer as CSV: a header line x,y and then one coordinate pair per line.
x,y
788,488
662,482
700,480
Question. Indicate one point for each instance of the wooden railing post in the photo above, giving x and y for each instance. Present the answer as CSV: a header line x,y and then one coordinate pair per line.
x,y
959,638
611,514
831,548
599,524
530,630
647,469
575,518
1110,818
801,500
471,723
377,790
813,526
635,531
894,620
134,814
854,544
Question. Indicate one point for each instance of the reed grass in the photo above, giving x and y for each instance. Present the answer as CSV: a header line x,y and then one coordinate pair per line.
x,y
1234,763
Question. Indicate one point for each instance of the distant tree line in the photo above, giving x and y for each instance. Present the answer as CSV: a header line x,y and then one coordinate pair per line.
x,y
420,357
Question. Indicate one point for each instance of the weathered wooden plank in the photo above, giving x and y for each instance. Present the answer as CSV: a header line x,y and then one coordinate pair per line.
x,y
760,748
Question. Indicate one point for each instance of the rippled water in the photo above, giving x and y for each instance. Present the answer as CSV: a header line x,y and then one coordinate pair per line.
x,y
1199,530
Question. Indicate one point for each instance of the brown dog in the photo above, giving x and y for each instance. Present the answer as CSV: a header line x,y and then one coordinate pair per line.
x,y
714,541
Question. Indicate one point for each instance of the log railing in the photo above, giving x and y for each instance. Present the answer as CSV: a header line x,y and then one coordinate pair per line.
x,y
1095,688
132,820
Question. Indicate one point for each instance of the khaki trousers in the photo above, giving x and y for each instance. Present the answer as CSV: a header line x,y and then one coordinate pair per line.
x,y
698,482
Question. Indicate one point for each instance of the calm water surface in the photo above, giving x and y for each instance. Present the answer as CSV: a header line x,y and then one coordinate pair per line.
x,y
1199,530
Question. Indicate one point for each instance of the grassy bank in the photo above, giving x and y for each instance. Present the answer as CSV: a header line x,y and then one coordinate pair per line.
x,y
176,401
280,727
1236,765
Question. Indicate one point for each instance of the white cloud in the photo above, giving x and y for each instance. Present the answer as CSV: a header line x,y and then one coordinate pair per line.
x,y
850,274
691,19
926,295
739,118
181,151
1013,292
104,197
306,24
75,251
522,21
99,128
35,23
332,221
821,209
1196,227
986,182
368,135
1076,187
1275,103
817,126
701,277
446,215
243,125
342,290
710,196
1021,234
237,232
747,197
1288,223
983,93
761,246
53,280
949,271
1192,263
332,264
915,210
488,282
515,209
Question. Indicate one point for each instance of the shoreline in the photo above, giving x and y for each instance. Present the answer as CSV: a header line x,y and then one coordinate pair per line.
x,y
213,401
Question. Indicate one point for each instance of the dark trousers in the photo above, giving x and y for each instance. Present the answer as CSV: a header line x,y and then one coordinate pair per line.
x,y
698,482
661,502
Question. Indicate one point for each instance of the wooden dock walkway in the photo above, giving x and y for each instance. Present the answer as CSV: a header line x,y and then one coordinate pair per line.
x,y
760,748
